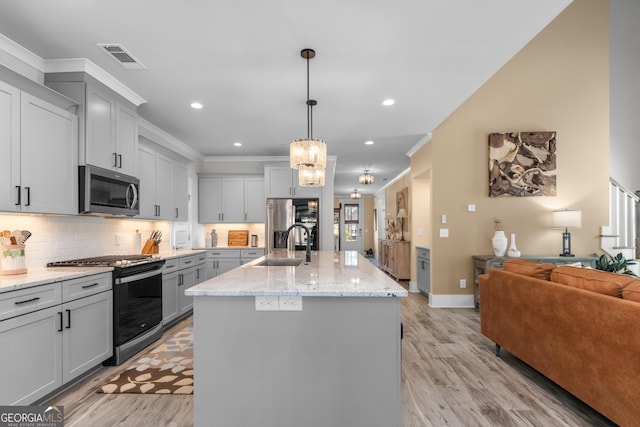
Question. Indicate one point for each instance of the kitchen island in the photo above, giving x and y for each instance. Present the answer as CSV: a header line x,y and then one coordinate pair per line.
x,y
318,344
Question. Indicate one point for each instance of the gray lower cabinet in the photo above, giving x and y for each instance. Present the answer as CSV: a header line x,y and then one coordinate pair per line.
x,y
51,334
220,261
178,275
423,269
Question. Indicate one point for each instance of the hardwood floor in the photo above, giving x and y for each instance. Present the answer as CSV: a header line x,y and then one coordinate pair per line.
x,y
450,377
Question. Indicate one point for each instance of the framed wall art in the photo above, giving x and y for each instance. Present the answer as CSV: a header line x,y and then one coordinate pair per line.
x,y
522,164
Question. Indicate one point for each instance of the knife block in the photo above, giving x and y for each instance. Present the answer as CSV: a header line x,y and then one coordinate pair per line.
x,y
150,247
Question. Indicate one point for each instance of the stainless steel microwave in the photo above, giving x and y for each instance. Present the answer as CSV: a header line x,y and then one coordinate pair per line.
x,y
103,191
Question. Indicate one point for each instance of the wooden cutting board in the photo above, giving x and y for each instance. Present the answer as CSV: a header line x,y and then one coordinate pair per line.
x,y
238,238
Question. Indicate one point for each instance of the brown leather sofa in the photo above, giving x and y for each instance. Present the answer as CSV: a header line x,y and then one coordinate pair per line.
x,y
578,327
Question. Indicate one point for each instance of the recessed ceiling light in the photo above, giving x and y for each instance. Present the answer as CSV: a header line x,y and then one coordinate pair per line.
x,y
388,102
196,105
237,144
368,142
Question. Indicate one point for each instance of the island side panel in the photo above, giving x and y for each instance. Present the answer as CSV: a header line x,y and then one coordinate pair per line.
x,y
336,363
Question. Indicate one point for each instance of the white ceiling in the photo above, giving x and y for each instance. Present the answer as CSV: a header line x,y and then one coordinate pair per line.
x,y
241,59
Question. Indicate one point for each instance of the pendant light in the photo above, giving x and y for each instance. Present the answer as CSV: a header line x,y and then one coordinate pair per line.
x,y
366,178
309,156
355,194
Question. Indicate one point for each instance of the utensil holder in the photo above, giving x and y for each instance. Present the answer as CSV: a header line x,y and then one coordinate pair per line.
x,y
12,260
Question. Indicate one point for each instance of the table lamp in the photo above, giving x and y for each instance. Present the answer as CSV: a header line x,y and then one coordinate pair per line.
x,y
566,219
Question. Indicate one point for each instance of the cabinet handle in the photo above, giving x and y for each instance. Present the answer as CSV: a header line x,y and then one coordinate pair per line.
x,y
90,286
245,216
176,212
19,194
115,160
181,281
197,274
120,161
28,196
27,301
68,319
188,262
60,316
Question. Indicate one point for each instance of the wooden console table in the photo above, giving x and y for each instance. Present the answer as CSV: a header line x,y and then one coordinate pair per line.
x,y
482,264
395,258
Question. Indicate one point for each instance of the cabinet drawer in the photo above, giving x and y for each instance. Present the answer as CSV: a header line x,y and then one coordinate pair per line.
x,y
187,261
85,286
24,301
172,264
251,253
201,258
224,253
423,253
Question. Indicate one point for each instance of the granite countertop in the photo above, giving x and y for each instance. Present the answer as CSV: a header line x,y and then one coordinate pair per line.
x,y
213,248
329,274
44,275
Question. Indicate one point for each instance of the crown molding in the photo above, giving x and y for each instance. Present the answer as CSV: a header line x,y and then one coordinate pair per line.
x,y
419,144
20,53
71,65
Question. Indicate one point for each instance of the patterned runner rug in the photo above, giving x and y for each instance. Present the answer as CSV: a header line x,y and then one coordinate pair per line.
x,y
167,369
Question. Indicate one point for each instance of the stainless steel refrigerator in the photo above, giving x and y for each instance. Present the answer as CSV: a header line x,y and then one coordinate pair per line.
x,y
281,214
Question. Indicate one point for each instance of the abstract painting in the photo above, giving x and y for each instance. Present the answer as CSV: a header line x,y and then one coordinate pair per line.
x,y
522,164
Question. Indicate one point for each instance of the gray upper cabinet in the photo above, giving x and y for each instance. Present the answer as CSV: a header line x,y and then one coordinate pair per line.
x,y
163,186
231,199
27,185
180,192
282,182
108,122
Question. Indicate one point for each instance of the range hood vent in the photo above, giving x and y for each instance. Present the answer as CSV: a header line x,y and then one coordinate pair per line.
x,y
122,56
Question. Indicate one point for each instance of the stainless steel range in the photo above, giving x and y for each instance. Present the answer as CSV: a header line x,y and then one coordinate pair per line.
x,y
137,300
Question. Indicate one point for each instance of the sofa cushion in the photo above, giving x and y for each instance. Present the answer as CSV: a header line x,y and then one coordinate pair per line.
x,y
602,282
632,291
528,268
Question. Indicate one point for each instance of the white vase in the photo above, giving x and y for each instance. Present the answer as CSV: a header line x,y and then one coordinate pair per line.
x,y
513,251
499,242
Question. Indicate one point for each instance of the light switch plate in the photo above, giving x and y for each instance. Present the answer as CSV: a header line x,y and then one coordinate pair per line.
x,y
444,232
471,208
443,219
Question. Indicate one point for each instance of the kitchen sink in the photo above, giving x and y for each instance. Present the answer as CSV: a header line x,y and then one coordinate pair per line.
x,y
280,262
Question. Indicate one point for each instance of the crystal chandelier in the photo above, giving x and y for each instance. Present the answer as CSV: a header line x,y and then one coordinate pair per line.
x,y
366,178
355,194
309,155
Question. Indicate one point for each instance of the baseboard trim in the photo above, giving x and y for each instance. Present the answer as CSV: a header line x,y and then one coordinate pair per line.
x,y
451,301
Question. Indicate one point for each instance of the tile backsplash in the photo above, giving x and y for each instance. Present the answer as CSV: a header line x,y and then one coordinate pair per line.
x,y
56,238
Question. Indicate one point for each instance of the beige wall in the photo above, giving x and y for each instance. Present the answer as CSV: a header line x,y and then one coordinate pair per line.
x,y
390,205
558,82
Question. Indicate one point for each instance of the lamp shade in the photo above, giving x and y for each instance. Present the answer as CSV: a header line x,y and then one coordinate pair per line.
x,y
310,176
366,178
308,152
402,213
566,219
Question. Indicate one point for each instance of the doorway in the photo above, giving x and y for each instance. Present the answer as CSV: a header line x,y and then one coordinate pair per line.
x,y
351,224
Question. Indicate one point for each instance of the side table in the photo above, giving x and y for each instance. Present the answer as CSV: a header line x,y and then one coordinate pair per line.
x,y
482,264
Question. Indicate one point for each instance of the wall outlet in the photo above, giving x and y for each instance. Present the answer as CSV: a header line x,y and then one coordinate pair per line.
x,y
117,240
444,232
463,283
267,303
290,303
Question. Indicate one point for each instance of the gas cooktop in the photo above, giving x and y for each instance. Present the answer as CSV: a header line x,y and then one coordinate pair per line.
x,y
105,261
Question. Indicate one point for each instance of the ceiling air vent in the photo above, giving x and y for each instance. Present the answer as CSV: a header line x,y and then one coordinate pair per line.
x,y
124,57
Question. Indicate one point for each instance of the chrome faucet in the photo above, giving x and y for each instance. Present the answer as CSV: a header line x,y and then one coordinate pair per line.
x,y
298,224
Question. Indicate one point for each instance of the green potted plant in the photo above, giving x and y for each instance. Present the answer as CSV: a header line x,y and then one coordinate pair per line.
x,y
615,264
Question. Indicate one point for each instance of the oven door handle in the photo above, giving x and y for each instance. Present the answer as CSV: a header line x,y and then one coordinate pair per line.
x,y
129,279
